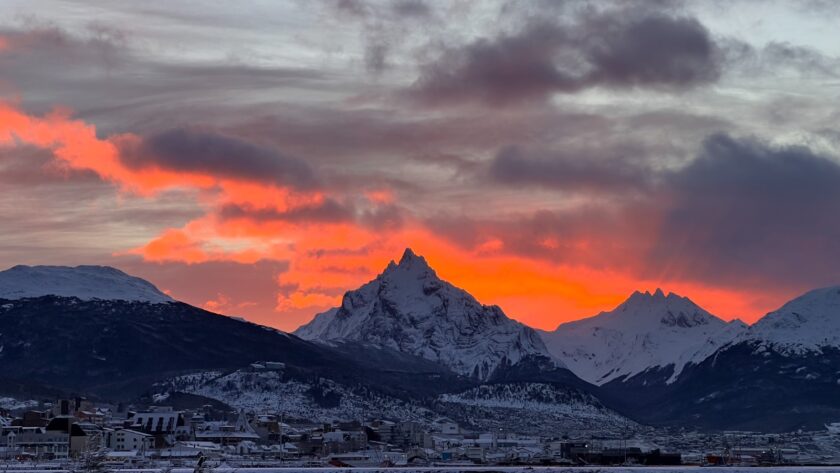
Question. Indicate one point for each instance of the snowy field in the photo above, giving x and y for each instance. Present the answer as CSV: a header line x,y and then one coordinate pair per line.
x,y
476,469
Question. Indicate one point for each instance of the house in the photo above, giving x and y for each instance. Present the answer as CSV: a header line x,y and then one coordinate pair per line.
x,y
167,426
340,441
33,419
83,435
123,440
446,426
224,433
34,441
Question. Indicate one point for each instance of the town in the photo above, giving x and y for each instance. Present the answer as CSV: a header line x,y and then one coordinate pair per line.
x,y
79,431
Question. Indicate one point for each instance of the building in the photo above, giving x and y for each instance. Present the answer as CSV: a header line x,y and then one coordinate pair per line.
x,y
225,433
37,442
165,425
33,419
124,440
340,441
446,426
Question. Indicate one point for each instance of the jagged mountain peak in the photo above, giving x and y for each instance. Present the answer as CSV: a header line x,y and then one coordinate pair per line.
x,y
647,331
410,264
658,308
86,282
409,309
410,258
656,297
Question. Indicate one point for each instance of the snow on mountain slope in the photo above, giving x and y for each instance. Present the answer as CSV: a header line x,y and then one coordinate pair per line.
x,y
409,309
535,408
532,408
83,282
805,324
317,401
647,331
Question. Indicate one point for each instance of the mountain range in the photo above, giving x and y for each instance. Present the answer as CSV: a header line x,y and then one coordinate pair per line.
x,y
408,338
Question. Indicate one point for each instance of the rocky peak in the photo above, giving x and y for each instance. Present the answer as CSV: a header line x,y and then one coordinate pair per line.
x,y
408,308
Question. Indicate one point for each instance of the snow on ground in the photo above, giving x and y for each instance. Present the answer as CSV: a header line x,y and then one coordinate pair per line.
x,y
535,408
12,404
532,408
477,469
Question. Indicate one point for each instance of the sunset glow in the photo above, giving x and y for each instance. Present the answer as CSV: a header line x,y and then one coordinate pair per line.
x,y
301,160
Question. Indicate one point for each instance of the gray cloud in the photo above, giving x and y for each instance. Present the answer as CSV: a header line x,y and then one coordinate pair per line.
x,y
412,8
618,49
748,212
330,211
613,170
585,234
201,151
104,73
383,216
742,213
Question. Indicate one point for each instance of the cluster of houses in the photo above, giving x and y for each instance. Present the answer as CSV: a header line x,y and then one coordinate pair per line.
x,y
77,428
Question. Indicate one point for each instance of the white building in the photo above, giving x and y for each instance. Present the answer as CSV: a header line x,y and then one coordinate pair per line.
x,y
35,441
124,440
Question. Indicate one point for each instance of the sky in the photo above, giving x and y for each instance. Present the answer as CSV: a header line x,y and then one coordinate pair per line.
x,y
259,159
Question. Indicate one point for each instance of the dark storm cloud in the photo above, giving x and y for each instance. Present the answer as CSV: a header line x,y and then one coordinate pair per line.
x,y
328,211
746,211
213,153
741,212
582,235
617,49
614,170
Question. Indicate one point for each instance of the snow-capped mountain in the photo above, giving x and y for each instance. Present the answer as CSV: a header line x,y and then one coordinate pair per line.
x,y
409,309
780,374
82,282
646,333
808,323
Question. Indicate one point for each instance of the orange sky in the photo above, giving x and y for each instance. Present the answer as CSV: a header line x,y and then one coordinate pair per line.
x,y
276,159
325,259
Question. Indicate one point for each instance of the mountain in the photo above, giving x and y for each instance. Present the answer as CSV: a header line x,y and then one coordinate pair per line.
x,y
97,330
781,374
82,282
807,324
409,309
651,334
